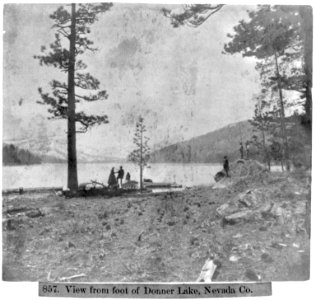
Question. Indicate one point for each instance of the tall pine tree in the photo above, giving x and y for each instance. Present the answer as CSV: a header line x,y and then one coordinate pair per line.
x,y
270,33
141,154
72,25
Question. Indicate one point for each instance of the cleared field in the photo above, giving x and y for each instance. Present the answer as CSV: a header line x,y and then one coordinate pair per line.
x,y
163,237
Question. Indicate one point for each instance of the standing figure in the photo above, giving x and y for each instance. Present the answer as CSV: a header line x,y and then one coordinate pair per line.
x,y
128,177
226,166
241,149
247,150
112,179
120,176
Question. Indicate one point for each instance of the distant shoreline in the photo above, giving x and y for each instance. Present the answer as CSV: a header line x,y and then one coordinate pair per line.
x,y
114,162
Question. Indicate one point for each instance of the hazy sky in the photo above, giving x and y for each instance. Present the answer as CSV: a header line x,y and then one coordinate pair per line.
x,y
176,78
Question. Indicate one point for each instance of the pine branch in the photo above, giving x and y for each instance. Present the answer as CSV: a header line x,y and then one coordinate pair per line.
x,y
101,95
193,15
86,81
58,104
88,121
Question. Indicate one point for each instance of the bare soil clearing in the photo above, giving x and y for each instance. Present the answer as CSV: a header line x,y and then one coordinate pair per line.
x,y
164,237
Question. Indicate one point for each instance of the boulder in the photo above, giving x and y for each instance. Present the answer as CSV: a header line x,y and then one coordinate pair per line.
x,y
252,275
226,209
249,198
10,224
265,257
300,208
34,213
240,216
279,213
265,208
219,175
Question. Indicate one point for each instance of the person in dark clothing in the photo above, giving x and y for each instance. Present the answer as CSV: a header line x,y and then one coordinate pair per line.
x,y
128,177
226,166
120,176
112,179
247,150
241,149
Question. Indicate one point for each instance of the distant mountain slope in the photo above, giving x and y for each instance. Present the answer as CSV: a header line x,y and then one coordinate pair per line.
x,y
210,147
13,155
49,139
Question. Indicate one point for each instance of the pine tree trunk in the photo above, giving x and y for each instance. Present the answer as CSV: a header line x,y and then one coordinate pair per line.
x,y
141,177
306,14
285,152
141,159
71,135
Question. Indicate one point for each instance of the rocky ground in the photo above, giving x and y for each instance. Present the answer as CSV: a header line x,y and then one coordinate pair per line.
x,y
256,227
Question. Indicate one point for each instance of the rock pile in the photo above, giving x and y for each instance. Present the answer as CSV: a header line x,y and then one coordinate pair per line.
x,y
241,169
261,204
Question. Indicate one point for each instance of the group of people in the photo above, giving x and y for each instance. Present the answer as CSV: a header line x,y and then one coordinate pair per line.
x,y
117,181
241,150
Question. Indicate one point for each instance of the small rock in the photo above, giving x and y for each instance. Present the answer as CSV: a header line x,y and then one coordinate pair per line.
x,y
233,258
245,201
34,213
266,258
237,236
252,275
171,223
276,210
265,208
278,245
300,209
108,227
226,209
45,230
103,215
10,224
113,234
219,175
279,213
71,245
239,216
194,241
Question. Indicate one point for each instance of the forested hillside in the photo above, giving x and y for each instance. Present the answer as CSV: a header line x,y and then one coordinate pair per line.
x,y
213,146
210,147
13,155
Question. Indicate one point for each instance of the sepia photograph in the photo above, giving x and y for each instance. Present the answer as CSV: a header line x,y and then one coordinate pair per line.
x,y
156,143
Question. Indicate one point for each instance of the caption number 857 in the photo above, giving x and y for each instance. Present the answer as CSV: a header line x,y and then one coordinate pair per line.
x,y
50,289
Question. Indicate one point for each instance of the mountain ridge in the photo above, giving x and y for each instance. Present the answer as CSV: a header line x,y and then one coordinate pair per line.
x,y
207,148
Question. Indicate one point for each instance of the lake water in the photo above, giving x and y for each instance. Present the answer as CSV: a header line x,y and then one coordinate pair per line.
x,y
55,175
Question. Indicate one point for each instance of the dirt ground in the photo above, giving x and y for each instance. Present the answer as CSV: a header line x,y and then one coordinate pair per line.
x,y
158,237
